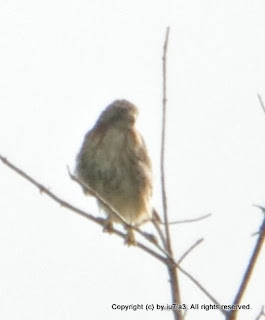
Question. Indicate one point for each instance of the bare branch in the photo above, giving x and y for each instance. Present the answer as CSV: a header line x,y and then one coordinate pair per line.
x,y
67,205
101,222
250,267
174,282
189,250
163,138
190,220
160,233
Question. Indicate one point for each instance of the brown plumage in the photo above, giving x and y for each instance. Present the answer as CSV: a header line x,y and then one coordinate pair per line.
x,y
113,161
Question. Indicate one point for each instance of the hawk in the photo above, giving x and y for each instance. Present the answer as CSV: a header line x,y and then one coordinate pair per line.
x,y
113,162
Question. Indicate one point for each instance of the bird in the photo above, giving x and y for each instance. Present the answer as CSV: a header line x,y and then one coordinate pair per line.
x,y
114,166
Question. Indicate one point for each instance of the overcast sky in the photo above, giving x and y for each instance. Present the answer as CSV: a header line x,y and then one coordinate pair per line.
x,y
61,64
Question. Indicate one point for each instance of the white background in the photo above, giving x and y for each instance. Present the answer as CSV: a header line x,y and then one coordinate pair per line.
x,y
61,64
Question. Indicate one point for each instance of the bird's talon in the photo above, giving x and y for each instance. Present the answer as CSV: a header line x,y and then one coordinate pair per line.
x,y
108,226
130,239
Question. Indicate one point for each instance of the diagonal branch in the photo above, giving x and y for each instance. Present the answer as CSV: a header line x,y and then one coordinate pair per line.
x,y
189,250
156,224
149,237
101,222
67,205
250,268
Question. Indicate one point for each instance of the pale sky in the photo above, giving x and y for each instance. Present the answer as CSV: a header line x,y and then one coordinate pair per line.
x,y
62,63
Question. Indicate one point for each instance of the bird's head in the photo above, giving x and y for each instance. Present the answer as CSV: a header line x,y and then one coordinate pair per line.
x,y
121,114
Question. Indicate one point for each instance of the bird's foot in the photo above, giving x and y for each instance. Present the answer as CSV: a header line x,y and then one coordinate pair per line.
x,y
108,226
129,239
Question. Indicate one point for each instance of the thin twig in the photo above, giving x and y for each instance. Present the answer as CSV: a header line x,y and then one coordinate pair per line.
x,y
156,221
160,233
189,250
250,268
190,220
261,102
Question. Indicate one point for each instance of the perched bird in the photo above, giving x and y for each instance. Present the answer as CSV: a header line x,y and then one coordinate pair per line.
x,y
114,164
